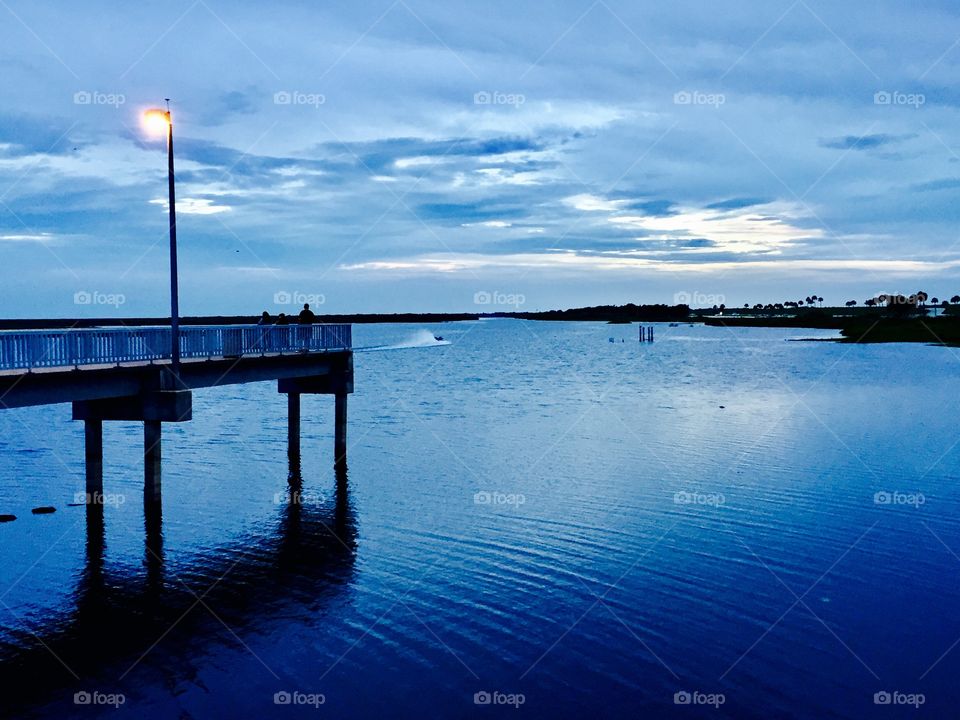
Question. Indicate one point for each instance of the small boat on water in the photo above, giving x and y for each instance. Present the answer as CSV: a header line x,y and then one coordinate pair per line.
x,y
438,338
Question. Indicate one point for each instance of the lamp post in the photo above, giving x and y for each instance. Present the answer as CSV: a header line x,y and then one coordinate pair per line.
x,y
158,120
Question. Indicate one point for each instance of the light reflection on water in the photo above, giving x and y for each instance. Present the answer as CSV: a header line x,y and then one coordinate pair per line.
x,y
639,539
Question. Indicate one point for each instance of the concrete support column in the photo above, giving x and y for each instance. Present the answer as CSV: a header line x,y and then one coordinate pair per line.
x,y
93,456
293,425
337,381
340,429
151,407
151,461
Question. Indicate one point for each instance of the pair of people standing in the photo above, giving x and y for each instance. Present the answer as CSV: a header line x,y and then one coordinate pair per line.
x,y
306,317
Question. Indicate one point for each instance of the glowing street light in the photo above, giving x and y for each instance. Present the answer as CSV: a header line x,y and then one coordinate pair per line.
x,y
158,121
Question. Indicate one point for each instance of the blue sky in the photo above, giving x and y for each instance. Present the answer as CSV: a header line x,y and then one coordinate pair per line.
x,y
410,156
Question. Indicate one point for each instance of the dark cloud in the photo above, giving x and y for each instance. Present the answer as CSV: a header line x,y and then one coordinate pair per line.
x,y
460,213
29,133
736,203
937,185
244,102
864,142
653,207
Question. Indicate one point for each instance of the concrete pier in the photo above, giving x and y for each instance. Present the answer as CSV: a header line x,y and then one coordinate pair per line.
x,y
112,388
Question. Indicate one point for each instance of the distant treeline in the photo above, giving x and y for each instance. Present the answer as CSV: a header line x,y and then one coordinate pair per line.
x,y
41,323
608,313
943,330
826,318
803,319
398,318
859,327
604,313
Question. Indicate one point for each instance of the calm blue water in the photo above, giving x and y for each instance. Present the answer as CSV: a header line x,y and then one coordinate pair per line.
x,y
528,510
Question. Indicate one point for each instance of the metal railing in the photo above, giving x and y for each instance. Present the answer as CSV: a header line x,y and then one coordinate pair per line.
x,y
29,349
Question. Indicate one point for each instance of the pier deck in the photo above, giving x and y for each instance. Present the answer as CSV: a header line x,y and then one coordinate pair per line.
x,y
126,374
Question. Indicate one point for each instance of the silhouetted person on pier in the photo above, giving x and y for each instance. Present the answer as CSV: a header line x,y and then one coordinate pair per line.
x,y
264,322
305,318
282,319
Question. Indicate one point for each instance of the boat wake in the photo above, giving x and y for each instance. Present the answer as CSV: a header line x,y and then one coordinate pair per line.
x,y
419,339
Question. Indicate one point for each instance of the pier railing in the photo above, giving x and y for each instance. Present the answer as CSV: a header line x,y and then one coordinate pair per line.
x,y
29,349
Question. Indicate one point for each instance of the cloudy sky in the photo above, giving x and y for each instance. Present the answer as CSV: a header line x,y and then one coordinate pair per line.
x,y
411,156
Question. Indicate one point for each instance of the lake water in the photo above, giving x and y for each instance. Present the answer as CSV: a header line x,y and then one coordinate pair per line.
x,y
530,511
